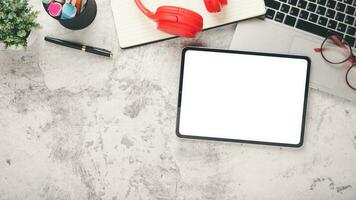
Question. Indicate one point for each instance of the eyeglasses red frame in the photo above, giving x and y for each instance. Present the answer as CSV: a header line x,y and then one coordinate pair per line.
x,y
342,44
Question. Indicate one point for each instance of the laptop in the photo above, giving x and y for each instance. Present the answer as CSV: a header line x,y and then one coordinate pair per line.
x,y
299,26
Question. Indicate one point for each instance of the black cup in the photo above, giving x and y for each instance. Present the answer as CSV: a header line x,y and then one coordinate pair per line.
x,y
83,19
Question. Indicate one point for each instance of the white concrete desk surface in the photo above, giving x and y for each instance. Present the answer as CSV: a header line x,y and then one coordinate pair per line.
x,y
77,126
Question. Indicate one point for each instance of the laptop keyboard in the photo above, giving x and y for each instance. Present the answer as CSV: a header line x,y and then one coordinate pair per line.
x,y
316,16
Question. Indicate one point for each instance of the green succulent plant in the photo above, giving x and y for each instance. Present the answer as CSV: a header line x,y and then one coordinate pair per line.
x,y
17,20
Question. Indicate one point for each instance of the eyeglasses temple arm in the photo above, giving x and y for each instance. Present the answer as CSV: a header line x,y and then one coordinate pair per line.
x,y
337,40
145,11
317,50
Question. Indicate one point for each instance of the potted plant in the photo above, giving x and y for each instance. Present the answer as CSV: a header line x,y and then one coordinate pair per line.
x,y
17,22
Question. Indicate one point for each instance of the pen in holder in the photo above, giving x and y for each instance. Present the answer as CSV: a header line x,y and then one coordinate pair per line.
x,y
72,14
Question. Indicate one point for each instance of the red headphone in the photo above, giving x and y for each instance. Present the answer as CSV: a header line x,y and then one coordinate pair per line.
x,y
180,21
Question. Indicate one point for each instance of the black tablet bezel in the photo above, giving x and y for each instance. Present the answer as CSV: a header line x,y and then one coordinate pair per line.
x,y
246,53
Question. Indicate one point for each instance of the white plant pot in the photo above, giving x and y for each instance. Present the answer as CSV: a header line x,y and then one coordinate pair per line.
x,y
31,39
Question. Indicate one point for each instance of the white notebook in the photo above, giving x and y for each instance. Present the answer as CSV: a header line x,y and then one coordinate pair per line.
x,y
134,28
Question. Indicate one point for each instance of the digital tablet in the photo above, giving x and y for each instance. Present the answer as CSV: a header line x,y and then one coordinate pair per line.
x,y
247,97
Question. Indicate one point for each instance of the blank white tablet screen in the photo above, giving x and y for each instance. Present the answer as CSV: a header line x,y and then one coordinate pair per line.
x,y
243,97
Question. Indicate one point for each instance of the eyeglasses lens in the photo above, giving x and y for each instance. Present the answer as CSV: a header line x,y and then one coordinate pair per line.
x,y
335,50
351,77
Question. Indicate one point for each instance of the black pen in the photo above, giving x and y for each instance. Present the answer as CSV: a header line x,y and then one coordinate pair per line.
x,y
74,45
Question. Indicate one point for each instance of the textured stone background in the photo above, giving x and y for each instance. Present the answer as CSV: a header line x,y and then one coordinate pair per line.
x,y
76,126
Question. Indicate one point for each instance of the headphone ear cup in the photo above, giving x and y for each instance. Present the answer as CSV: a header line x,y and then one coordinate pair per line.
x,y
178,21
215,6
212,6
176,29
223,2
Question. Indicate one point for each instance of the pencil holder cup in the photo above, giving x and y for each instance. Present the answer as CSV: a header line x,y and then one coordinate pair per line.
x,y
71,14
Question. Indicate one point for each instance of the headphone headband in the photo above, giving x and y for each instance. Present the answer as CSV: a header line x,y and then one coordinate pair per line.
x,y
145,11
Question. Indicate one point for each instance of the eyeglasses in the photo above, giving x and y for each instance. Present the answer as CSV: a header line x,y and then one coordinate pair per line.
x,y
336,50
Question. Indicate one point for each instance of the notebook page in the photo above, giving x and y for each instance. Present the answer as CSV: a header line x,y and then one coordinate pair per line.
x,y
134,28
